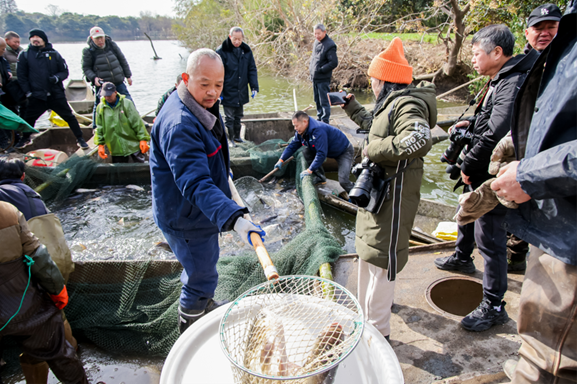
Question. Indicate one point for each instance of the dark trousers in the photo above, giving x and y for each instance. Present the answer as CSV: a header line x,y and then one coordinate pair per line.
x,y
232,116
47,342
344,161
198,257
37,107
120,88
322,100
491,239
137,157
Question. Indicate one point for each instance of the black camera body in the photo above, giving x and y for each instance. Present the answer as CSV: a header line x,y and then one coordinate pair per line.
x,y
460,136
371,188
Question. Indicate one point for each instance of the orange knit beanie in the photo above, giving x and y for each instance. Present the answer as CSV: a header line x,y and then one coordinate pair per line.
x,y
391,65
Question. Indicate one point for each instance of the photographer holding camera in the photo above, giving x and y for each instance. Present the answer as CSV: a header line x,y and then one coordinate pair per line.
x,y
399,138
479,135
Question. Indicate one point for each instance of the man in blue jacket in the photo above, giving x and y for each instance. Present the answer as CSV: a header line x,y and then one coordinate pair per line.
x,y
239,72
189,164
320,141
544,183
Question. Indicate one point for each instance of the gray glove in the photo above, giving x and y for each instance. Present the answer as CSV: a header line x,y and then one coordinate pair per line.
x,y
502,155
244,228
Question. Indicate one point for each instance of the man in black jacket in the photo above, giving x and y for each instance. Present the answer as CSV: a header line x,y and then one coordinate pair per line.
x,y
544,184
239,72
323,61
492,56
104,62
41,71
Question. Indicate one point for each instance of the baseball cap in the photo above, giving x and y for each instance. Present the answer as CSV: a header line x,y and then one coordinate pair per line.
x,y
96,32
107,89
544,12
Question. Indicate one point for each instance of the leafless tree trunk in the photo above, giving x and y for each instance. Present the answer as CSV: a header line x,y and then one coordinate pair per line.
x,y
459,29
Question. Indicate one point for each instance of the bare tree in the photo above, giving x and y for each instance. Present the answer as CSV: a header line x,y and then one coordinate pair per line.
x,y
54,10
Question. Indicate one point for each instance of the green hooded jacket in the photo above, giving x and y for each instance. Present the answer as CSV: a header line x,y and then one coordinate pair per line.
x,y
398,133
120,128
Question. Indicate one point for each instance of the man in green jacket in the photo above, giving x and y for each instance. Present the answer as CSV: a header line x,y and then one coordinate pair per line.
x,y
399,138
120,127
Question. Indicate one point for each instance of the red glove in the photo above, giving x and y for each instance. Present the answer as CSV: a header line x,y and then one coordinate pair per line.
x,y
61,299
102,151
144,146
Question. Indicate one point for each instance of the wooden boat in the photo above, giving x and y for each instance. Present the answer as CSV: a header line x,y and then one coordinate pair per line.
x,y
79,95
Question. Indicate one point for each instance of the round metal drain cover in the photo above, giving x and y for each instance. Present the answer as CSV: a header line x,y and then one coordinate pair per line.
x,y
455,296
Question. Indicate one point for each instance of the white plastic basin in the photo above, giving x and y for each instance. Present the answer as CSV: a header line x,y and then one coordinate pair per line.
x,y
196,357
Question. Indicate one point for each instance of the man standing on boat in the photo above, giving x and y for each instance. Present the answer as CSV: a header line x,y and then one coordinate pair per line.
x,y
544,184
319,141
191,198
41,71
12,50
103,61
399,138
492,56
120,128
239,72
323,61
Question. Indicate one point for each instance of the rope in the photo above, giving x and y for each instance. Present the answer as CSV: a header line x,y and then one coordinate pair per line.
x,y
29,262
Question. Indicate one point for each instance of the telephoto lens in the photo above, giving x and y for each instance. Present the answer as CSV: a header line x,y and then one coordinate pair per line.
x,y
360,195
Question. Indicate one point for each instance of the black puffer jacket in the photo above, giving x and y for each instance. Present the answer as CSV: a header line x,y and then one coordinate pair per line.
x,y
239,72
36,68
323,60
545,136
493,116
107,63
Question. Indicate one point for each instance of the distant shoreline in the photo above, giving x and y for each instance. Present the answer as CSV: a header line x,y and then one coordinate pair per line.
x,y
83,40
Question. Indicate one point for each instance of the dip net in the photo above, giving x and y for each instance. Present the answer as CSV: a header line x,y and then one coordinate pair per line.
x,y
130,307
290,329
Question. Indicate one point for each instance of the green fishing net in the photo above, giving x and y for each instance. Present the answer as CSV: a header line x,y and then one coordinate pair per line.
x,y
130,307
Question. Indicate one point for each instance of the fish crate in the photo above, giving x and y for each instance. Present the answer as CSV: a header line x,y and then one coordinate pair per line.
x,y
295,329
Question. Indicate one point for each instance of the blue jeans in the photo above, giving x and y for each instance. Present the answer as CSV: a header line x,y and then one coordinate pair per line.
x,y
198,257
120,88
322,100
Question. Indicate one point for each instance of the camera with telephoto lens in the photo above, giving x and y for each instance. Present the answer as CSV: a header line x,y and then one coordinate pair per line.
x,y
368,191
460,136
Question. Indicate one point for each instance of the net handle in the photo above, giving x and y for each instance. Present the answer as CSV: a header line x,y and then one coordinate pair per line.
x,y
267,265
274,170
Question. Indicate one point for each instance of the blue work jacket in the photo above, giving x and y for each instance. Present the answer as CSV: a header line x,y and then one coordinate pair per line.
x,y
189,169
324,139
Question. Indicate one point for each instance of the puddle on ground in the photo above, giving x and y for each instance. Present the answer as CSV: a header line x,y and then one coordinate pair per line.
x,y
116,223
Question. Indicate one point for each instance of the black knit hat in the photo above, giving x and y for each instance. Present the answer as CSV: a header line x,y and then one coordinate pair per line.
x,y
544,12
40,33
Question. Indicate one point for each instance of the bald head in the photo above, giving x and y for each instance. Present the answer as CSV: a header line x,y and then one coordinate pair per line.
x,y
204,77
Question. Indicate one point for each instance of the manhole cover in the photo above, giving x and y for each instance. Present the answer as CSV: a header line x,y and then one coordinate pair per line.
x,y
455,297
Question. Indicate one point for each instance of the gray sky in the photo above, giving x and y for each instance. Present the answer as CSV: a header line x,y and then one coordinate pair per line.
x,y
101,7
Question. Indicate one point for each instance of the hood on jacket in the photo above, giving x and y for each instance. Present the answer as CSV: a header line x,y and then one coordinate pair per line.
x,y
228,47
424,91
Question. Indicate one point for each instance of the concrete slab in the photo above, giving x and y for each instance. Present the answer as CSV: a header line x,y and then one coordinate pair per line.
x,y
431,346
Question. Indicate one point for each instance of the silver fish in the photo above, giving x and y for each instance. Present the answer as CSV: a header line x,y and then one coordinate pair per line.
x,y
325,350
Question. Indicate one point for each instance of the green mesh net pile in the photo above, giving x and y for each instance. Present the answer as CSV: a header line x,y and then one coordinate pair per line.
x,y
56,184
130,307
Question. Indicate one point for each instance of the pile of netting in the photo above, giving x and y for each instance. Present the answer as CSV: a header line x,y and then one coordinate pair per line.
x,y
130,307
57,183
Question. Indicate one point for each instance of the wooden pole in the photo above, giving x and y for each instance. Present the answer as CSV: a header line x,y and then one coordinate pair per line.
x,y
459,87
152,45
270,270
274,170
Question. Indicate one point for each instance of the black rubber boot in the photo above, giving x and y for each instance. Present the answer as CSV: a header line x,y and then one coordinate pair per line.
x,y
485,316
187,317
453,263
